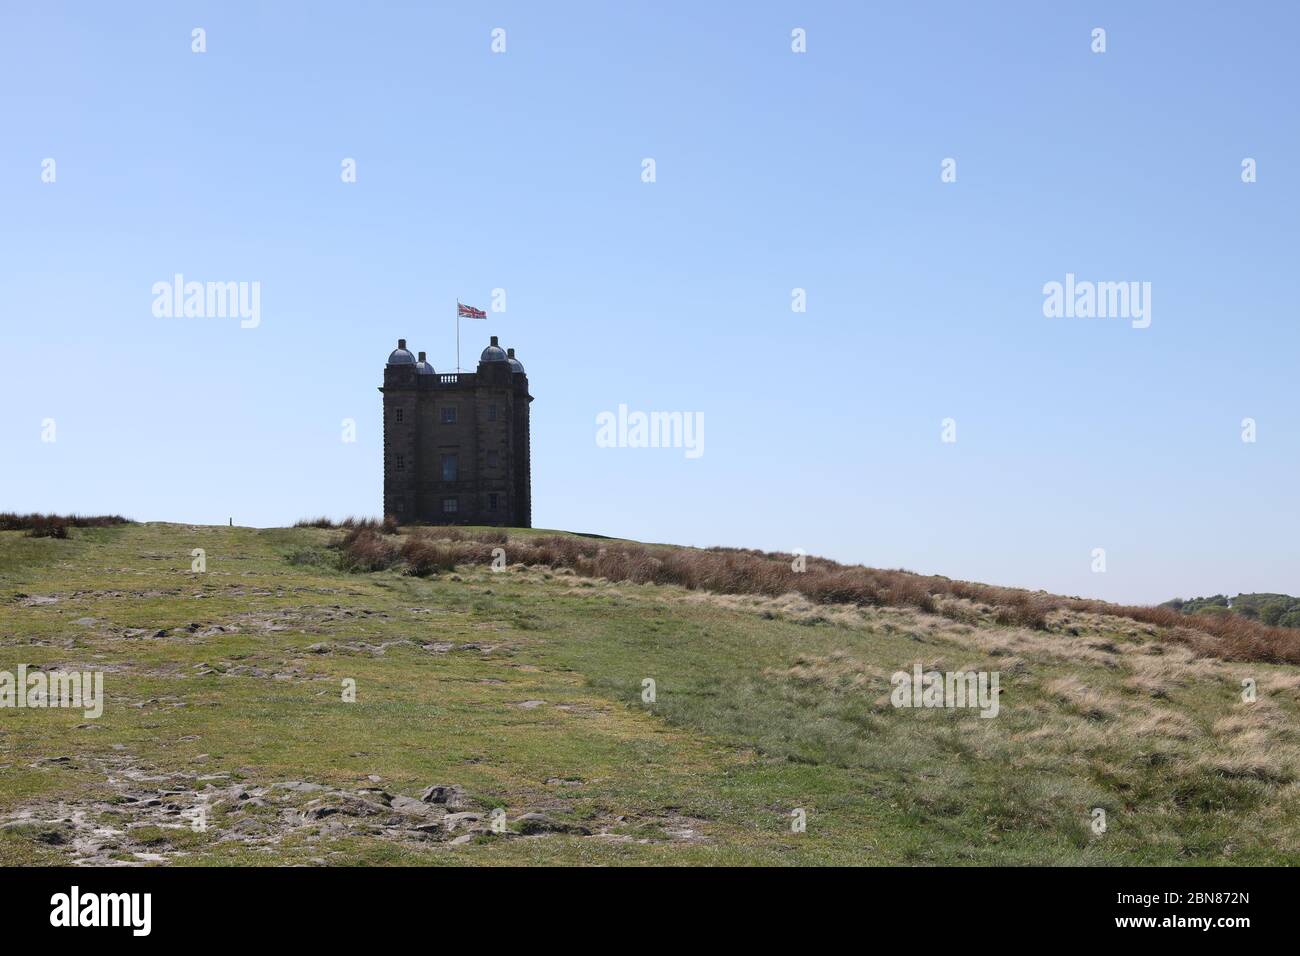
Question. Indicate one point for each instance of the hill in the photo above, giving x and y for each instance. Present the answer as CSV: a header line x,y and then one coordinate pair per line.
x,y
524,691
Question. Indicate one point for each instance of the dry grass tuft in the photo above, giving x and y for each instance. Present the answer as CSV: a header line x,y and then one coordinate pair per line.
x,y
1148,686
1162,722
834,670
364,549
426,552
1087,702
1251,760
385,525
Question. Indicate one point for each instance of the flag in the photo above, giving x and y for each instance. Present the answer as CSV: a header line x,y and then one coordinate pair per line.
x,y
469,312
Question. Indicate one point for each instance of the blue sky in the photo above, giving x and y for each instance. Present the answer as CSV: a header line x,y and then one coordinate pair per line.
x,y
774,171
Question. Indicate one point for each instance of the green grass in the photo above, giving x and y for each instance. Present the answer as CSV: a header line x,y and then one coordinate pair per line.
x,y
763,706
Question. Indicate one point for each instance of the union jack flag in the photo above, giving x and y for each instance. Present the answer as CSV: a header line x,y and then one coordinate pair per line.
x,y
469,312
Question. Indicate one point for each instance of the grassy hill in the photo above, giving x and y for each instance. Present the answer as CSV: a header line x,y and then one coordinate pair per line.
x,y
521,690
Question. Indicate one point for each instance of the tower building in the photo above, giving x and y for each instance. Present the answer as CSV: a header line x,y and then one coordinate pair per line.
x,y
456,445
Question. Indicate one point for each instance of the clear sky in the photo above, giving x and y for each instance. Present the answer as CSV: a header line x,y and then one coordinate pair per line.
x,y
774,170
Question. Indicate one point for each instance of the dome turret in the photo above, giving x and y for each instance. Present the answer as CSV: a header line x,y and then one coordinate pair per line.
x,y
400,356
493,353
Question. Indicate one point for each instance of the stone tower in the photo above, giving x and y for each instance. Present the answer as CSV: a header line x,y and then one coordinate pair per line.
x,y
456,444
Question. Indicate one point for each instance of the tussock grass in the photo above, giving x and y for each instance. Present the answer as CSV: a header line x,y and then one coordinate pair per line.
x,y
363,549
55,526
825,582
386,525
426,554
1089,703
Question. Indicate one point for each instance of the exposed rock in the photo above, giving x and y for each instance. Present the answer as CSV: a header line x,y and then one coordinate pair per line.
x,y
453,821
449,796
336,803
412,807
299,786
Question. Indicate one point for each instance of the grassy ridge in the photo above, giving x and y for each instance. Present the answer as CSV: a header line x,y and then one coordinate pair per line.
x,y
740,571
523,689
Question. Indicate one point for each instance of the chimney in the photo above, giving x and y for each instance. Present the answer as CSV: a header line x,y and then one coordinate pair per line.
x,y
421,356
401,343
494,340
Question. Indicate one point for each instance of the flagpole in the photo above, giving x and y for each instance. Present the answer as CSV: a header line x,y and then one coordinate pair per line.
x,y
458,336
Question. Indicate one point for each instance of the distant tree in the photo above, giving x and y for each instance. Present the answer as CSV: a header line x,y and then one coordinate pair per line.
x,y
1272,612
1275,610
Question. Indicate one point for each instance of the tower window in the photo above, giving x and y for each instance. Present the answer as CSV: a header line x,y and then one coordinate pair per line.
x,y
492,459
449,506
449,414
401,463
399,416
492,413
492,502
450,468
